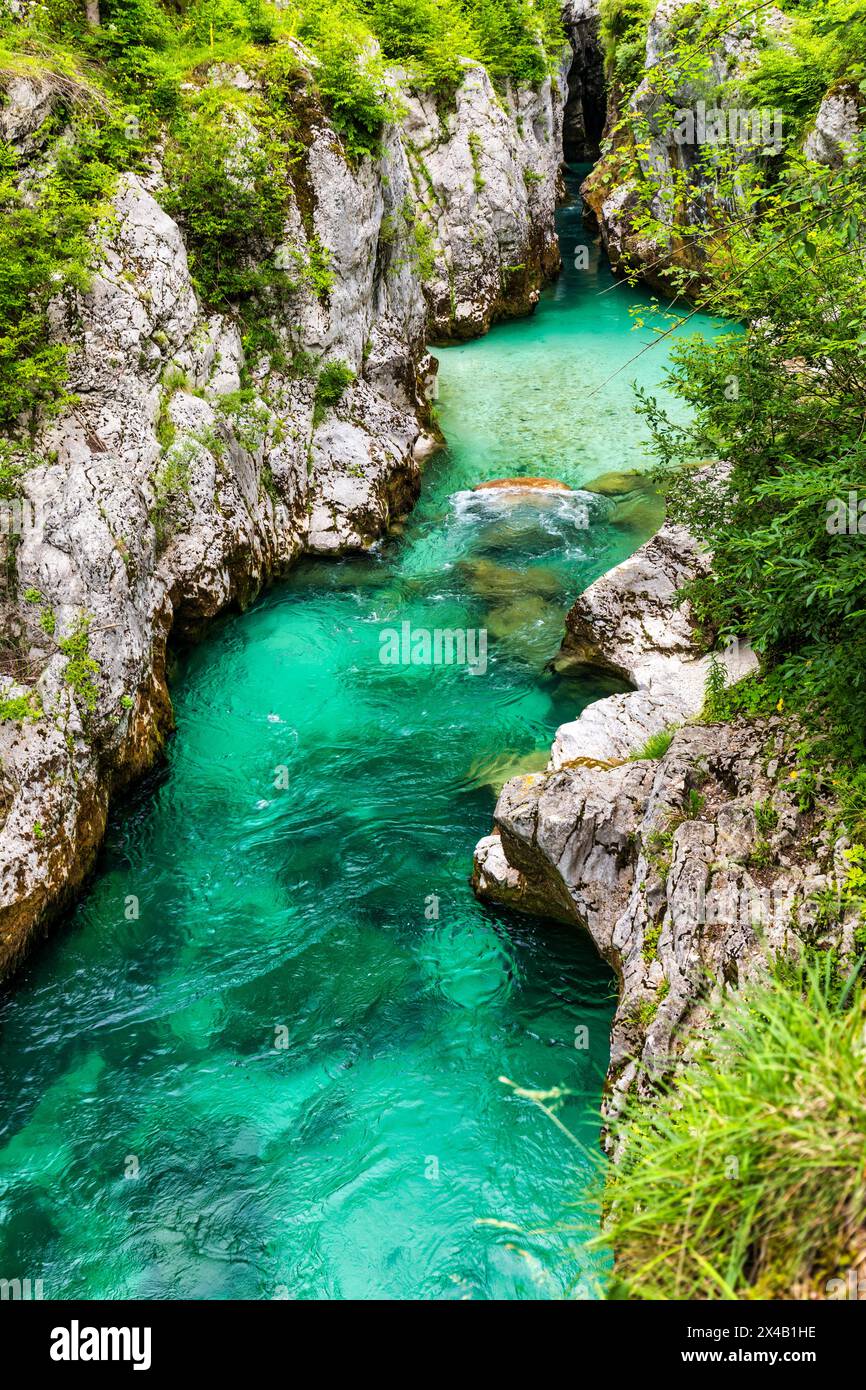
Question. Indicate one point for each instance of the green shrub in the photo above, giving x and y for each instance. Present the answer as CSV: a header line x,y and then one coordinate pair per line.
x,y
81,670
44,249
785,81
517,39
792,431
350,75
623,34
428,37
333,379
231,192
18,709
172,492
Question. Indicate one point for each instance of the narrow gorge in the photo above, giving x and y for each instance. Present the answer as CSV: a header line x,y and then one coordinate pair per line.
x,y
266,1032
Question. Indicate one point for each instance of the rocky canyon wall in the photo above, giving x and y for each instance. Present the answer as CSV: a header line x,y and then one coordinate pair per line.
x,y
183,474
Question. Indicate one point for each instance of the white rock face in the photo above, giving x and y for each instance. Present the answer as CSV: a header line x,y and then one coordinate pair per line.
x,y
666,863
162,495
630,622
838,125
485,182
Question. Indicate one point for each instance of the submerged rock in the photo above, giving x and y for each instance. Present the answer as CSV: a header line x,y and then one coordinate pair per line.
x,y
524,485
491,580
619,482
492,774
527,629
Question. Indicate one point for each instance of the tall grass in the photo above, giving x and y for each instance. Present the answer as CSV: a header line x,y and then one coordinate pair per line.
x,y
747,1178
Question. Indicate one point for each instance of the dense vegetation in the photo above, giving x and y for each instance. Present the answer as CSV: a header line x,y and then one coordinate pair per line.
x,y
778,246
824,41
747,1177
744,1176
784,402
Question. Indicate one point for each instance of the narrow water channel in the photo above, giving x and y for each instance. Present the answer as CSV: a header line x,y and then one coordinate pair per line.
x,y
282,1077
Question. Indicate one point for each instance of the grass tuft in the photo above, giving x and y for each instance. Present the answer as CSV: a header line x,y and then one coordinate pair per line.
x,y
747,1177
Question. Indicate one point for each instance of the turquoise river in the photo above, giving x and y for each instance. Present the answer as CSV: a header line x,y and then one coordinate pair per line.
x,y
282,1078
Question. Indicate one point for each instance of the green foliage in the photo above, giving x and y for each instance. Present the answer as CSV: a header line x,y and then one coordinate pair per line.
x,y
423,245
787,81
623,35
517,39
714,690
428,37
766,817
655,747
250,419
45,250
746,1176
171,492
475,155
333,379
792,431
81,670
650,947
350,75
229,187
18,709
694,804
12,467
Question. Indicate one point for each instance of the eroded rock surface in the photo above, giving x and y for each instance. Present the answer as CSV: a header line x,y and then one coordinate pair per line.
x,y
687,869
485,179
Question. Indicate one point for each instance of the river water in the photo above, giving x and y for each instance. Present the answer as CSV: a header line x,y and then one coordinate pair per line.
x,y
263,1057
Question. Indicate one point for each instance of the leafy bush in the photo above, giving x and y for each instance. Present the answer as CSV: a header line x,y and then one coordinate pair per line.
x,y
623,35
428,37
784,403
786,81
229,187
81,670
333,379
172,492
44,249
517,39
746,1178
19,709
350,75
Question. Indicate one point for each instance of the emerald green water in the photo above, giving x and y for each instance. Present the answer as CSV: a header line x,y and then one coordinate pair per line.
x,y
282,1078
